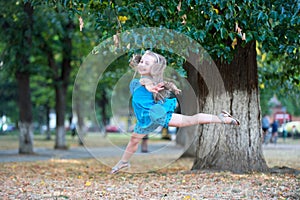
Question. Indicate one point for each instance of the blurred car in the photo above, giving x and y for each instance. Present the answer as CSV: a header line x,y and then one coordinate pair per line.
x,y
169,133
293,128
6,128
289,126
112,129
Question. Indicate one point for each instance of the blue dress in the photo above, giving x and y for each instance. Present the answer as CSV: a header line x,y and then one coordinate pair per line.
x,y
149,114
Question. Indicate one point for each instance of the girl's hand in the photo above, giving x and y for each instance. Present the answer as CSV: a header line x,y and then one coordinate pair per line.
x,y
171,86
177,91
155,88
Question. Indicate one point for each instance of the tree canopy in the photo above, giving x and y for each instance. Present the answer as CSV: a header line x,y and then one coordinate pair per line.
x,y
216,25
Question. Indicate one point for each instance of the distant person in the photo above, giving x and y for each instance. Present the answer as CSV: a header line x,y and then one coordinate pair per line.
x,y
294,132
284,131
274,132
265,127
72,126
73,129
144,145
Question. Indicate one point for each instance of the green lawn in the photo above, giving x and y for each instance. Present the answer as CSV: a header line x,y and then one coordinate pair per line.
x,y
11,140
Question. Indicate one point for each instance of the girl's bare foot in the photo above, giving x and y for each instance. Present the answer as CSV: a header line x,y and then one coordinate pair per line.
x,y
226,118
120,165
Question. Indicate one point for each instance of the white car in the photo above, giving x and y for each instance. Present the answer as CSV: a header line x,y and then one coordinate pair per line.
x,y
293,128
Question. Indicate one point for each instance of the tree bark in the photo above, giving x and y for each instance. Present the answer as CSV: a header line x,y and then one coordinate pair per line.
x,y
25,123
225,147
60,108
188,136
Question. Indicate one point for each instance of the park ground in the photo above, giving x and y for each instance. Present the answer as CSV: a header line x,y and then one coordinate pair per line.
x,y
87,178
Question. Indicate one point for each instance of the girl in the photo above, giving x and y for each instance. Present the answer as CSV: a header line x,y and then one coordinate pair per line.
x,y
153,108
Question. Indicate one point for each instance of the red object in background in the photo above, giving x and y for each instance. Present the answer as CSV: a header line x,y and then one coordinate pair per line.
x,y
282,117
112,129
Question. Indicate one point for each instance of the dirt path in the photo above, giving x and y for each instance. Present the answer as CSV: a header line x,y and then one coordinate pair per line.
x,y
282,154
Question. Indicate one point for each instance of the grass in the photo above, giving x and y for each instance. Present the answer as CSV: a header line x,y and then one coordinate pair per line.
x,y
11,140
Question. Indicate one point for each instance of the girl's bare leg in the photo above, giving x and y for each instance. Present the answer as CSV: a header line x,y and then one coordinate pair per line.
x,y
179,120
132,146
129,151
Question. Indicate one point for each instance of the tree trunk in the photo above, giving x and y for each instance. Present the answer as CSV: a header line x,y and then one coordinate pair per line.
x,y
60,108
25,123
188,136
61,86
104,118
102,104
23,82
48,132
78,111
225,147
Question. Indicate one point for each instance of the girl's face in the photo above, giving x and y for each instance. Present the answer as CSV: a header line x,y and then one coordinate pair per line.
x,y
145,65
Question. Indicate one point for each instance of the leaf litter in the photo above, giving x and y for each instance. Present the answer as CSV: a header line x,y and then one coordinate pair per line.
x,y
89,179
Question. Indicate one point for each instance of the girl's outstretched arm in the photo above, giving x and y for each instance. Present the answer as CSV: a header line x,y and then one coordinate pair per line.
x,y
172,87
149,85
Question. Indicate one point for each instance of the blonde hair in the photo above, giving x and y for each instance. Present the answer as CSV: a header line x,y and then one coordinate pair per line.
x,y
157,74
158,68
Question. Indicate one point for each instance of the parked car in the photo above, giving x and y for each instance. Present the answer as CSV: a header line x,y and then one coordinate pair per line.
x,y
112,129
8,128
293,128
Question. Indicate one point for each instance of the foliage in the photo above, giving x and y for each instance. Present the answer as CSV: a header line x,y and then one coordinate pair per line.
x,y
278,76
213,24
216,25
273,23
50,18
278,56
13,20
16,26
8,92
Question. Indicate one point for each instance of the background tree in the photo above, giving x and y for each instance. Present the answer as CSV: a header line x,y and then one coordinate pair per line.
x,y
64,47
41,38
17,30
105,87
57,38
277,76
61,74
42,99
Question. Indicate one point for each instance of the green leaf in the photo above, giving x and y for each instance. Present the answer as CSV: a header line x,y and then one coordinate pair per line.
x,y
224,33
260,15
199,35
